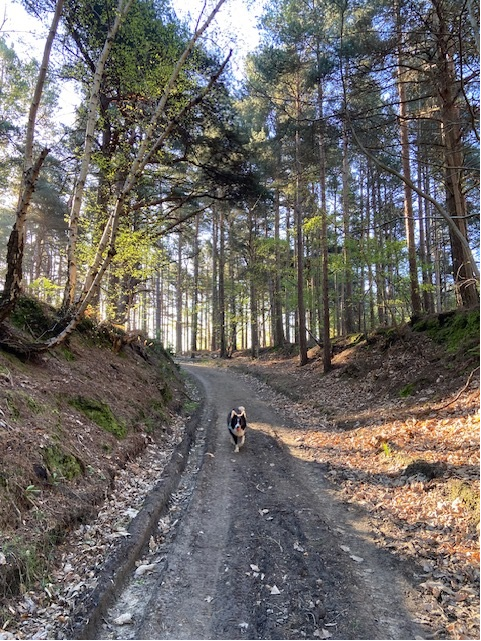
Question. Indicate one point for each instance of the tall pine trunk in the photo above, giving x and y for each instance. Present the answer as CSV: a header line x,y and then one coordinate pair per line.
x,y
215,287
406,166
278,328
178,298
348,319
222,301
464,271
301,311
326,327
195,292
254,306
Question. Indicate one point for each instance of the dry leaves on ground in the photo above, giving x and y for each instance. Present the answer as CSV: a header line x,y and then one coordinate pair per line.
x,y
414,468
44,611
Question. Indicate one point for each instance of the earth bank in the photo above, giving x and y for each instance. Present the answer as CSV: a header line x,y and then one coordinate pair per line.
x,y
394,428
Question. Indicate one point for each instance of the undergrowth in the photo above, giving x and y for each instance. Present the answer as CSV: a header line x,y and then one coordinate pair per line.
x,y
458,330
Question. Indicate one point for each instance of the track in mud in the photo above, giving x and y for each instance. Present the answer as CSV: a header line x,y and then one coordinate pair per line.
x,y
256,546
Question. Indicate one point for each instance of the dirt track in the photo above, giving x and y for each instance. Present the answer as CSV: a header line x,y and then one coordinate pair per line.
x,y
258,546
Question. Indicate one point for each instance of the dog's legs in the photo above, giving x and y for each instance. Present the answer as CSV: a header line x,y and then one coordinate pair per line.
x,y
239,442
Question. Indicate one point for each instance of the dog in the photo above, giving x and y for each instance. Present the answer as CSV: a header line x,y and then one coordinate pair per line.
x,y
237,425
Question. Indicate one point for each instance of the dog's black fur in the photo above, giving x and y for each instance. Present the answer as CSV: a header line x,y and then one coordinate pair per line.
x,y
237,425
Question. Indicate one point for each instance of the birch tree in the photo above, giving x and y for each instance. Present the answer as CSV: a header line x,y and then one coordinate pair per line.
x,y
32,165
154,135
92,115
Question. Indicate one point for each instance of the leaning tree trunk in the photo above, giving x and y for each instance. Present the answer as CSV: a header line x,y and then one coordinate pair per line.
x,y
92,109
150,144
31,170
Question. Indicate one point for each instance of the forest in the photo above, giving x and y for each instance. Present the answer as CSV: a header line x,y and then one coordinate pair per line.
x,y
332,190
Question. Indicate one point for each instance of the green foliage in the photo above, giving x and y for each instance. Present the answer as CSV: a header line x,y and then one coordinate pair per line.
x,y
136,255
66,353
189,407
33,316
19,403
407,390
101,414
153,416
58,463
355,339
33,405
468,495
32,490
44,288
386,448
457,330
12,406
26,563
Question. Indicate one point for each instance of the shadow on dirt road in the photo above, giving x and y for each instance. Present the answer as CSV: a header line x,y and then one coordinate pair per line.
x,y
263,549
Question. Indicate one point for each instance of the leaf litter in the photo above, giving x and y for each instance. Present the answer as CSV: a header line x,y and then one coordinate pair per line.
x,y
412,464
364,440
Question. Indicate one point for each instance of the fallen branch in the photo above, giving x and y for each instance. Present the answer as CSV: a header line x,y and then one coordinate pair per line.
x,y
438,409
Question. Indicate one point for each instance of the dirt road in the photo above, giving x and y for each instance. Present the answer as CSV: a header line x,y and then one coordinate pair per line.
x,y
257,546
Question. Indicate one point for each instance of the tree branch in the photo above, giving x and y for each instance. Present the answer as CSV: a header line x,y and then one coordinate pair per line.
x,y
445,215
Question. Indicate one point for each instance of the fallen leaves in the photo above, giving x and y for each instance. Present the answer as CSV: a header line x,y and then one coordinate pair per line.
x,y
143,569
428,516
43,611
123,619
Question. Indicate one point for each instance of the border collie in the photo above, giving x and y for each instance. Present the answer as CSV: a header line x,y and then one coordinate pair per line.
x,y
237,424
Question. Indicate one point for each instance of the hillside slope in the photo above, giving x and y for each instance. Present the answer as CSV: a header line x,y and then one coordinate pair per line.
x,y
70,420
394,427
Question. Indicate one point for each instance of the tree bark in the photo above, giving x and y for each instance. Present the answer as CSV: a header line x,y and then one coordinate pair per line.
x,y
195,292
406,165
92,115
178,297
326,328
31,171
348,320
301,311
464,271
222,301
278,328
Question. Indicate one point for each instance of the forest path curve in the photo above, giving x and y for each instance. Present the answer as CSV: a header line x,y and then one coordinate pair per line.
x,y
264,549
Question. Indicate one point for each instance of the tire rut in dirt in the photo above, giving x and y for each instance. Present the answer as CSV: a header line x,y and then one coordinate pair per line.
x,y
257,553
277,560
